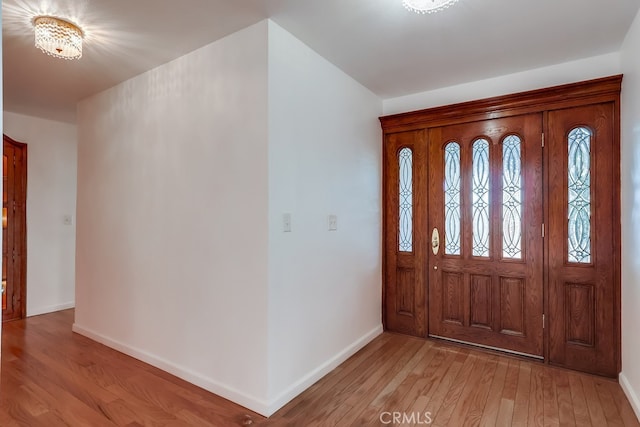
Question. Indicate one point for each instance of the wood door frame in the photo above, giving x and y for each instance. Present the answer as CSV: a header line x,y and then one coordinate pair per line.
x,y
23,240
589,92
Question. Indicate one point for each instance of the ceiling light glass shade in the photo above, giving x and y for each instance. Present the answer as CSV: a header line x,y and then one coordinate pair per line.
x,y
427,6
58,38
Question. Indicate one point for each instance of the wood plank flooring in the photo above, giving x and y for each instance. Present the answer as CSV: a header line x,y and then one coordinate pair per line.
x,y
53,377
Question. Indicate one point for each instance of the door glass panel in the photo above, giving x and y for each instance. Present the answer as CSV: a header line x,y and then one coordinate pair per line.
x,y
405,157
579,210
480,198
511,198
452,198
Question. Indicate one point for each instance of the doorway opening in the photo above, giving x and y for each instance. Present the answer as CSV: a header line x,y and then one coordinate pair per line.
x,y
14,229
502,224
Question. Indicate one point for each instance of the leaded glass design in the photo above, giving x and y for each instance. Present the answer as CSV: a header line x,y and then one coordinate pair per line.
x,y
480,198
579,212
452,198
405,157
511,198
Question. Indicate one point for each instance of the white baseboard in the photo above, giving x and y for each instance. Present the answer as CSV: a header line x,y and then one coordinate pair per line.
x,y
634,399
308,380
50,309
250,402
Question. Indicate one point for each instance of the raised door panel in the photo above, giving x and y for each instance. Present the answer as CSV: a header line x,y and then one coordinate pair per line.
x,y
405,293
452,298
580,314
512,306
481,301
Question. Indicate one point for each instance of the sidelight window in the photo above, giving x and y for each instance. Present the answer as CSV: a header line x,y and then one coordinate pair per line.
x,y
579,182
452,191
405,226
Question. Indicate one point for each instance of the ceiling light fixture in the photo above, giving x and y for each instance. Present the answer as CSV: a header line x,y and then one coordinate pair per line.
x,y
57,37
427,6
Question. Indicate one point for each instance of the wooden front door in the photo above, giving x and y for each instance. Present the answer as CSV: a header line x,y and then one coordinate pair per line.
x,y
502,224
485,228
14,187
584,225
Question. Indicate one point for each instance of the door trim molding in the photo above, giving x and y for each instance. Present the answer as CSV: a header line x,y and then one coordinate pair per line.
x,y
535,101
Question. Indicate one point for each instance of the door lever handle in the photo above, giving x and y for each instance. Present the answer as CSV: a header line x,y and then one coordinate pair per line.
x,y
435,241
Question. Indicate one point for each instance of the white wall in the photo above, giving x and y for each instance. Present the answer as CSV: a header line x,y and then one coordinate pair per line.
x,y
630,170
568,72
184,173
51,194
324,158
172,217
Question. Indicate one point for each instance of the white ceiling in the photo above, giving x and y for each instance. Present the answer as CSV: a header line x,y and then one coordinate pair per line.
x,y
385,47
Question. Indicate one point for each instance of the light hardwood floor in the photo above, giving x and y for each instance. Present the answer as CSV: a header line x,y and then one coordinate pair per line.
x,y
52,377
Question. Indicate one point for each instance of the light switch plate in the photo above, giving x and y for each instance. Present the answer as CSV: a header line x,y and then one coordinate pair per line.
x,y
333,222
286,222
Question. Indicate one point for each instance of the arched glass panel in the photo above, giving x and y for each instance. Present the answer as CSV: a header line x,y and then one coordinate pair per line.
x,y
511,198
480,198
452,198
405,225
579,210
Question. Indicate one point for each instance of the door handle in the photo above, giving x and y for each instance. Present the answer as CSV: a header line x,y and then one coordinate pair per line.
x,y
435,241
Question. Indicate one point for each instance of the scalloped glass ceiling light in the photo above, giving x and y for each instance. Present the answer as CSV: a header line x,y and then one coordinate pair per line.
x,y
427,6
57,37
